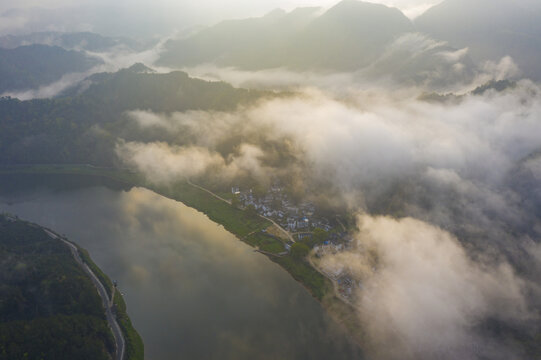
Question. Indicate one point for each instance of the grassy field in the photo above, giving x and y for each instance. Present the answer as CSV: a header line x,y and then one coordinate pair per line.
x,y
236,221
265,242
303,272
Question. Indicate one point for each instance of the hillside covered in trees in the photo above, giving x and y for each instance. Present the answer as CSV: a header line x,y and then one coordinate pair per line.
x,y
82,126
49,308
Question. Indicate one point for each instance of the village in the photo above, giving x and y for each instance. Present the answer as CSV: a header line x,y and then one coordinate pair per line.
x,y
305,225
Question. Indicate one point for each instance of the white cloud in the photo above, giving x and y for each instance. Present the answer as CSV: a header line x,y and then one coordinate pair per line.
x,y
164,164
422,297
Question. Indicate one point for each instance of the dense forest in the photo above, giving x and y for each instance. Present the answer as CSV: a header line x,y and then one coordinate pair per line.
x,y
82,126
49,308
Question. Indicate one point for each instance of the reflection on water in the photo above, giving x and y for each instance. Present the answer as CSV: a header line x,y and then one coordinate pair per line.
x,y
193,290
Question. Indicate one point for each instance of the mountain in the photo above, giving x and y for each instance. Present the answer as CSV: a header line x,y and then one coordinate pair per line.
x,y
415,59
491,29
346,37
349,36
71,41
83,125
29,67
139,87
250,43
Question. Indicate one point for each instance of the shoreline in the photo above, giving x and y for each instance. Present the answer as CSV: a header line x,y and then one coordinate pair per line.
x,y
127,339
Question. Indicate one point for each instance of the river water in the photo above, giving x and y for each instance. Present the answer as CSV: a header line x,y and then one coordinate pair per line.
x,y
193,290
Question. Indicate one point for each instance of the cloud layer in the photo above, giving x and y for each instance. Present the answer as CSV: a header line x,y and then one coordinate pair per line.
x,y
423,294
446,170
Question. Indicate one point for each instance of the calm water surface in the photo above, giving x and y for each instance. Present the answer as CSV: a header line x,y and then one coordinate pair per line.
x,y
193,290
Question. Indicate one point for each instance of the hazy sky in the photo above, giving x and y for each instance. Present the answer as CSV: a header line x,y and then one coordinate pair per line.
x,y
215,9
146,18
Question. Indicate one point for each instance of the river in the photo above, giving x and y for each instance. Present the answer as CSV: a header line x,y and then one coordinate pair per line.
x,y
193,290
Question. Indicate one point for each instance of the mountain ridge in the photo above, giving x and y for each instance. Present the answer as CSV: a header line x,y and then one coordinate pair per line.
x,y
295,39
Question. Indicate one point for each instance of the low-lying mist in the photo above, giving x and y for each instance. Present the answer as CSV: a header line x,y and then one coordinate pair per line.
x,y
111,60
446,188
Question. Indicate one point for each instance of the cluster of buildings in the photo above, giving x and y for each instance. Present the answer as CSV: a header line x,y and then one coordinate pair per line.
x,y
275,204
300,220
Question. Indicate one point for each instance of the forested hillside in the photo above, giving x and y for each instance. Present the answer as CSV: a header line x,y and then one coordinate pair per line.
x,y
49,308
83,126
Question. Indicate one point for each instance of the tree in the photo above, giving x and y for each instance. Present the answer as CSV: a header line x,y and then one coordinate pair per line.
x,y
299,250
250,209
235,202
319,236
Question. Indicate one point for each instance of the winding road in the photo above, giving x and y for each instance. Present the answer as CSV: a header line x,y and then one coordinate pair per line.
x,y
107,303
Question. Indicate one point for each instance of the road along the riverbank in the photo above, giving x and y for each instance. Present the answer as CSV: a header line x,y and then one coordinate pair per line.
x,y
120,343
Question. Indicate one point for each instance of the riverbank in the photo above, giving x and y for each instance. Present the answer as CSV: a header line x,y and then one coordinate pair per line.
x,y
59,287
135,348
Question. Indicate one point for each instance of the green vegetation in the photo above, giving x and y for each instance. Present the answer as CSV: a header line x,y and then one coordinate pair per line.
x,y
317,238
299,251
84,125
60,337
135,349
303,272
65,312
49,308
104,279
227,195
236,221
265,242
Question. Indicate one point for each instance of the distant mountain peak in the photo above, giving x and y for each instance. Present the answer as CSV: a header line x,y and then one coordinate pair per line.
x,y
348,10
275,14
490,29
140,68
306,9
346,37
358,4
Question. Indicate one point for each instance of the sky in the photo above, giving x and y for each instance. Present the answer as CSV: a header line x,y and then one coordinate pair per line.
x,y
152,19
212,10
